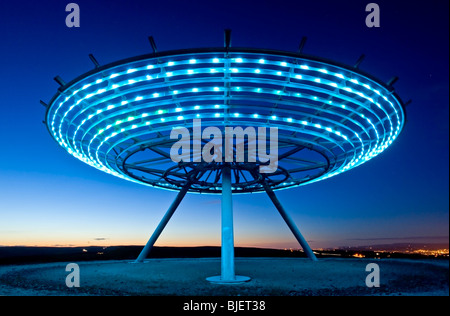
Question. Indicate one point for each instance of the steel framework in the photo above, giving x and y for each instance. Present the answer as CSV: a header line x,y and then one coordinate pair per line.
x,y
330,118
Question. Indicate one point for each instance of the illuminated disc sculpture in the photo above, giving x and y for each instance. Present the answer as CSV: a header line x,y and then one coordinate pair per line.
x,y
330,118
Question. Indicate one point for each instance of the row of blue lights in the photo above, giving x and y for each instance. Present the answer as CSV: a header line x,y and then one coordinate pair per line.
x,y
121,82
124,103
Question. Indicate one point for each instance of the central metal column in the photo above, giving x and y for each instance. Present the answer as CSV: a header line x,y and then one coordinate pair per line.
x,y
227,250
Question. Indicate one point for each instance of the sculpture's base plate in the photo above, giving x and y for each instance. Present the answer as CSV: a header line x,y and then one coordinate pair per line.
x,y
238,279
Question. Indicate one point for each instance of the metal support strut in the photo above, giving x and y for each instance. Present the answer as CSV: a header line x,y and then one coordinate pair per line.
x,y
227,249
163,223
290,222
227,275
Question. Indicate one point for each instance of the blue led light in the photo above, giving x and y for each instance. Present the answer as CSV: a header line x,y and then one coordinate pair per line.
x,y
353,116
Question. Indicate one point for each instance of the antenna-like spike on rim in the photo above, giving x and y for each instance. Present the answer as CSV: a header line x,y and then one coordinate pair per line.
x,y
393,80
94,61
302,44
359,61
227,38
43,103
59,80
153,44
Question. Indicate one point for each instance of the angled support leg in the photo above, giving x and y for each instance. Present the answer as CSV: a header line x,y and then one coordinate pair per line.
x,y
290,222
162,224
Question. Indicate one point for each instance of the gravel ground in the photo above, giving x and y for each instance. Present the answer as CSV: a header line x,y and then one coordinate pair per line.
x,y
270,277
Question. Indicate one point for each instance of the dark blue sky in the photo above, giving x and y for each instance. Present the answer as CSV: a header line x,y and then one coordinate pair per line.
x,y
49,198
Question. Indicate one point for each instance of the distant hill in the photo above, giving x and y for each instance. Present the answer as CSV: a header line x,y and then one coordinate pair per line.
x,y
402,247
23,255
14,255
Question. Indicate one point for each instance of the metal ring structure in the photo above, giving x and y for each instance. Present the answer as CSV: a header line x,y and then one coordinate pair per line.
x,y
330,117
